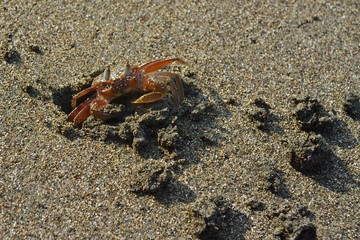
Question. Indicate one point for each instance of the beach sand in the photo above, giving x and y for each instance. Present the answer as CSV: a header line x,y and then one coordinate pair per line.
x,y
265,144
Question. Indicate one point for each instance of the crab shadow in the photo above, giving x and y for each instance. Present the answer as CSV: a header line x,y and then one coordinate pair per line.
x,y
156,131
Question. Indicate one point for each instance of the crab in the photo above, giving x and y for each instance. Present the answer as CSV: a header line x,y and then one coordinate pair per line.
x,y
147,78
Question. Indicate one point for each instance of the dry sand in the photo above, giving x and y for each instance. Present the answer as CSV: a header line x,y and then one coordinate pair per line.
x,y
265,145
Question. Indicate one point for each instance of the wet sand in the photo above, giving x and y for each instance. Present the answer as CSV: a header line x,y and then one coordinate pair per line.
x,y
264,146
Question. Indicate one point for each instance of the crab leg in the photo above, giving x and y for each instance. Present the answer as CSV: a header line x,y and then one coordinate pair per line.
x,y
179,87
149,97
174,92
158,64
178,83
176,87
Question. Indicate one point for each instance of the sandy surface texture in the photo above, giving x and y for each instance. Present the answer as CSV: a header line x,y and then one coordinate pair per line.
x,y
265,144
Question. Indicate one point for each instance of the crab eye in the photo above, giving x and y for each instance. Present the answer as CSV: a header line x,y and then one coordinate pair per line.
x,y
107,73
127,70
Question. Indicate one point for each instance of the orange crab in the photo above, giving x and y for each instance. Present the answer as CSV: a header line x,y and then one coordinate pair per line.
x,y
145,77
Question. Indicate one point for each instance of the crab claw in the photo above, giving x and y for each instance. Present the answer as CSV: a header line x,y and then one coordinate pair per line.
x,y
158,64
81,112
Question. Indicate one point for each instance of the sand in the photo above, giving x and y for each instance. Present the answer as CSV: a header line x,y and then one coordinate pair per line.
x,y
264,146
